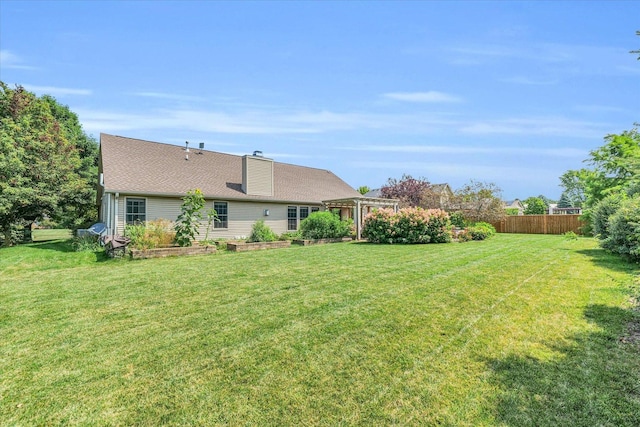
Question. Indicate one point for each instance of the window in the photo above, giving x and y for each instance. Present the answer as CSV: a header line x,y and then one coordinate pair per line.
x,y
304,212
136,210
292,218
223,215
315,209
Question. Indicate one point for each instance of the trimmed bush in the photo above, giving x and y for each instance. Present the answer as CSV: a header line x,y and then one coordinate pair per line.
x,y
624,230
324,225
481,231
261,232
409,225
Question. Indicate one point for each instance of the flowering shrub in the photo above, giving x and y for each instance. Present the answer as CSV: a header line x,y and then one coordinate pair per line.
x,y
409,225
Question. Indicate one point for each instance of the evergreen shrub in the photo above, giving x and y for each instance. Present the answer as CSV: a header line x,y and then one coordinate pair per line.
x,y
624,230
325,225
261,232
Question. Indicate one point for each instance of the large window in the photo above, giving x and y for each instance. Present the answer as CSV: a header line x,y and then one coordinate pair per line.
x,y
304,212
222,209
136,210
292,218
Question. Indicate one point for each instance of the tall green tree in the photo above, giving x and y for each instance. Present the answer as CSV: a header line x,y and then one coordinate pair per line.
x,y
41,168
615,167
534,206
565,201
80,206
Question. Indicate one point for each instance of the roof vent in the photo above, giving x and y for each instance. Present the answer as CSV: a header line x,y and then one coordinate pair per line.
x,y
186,146
201,146
257,154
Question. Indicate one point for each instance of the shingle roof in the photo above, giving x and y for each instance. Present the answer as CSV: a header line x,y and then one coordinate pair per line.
x,y
135,166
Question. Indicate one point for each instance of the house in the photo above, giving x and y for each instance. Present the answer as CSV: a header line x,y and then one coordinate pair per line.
x,y
555,210
443,194
143,180
514,204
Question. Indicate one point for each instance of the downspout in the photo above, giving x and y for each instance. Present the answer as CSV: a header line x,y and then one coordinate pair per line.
x,y
115,215
107,217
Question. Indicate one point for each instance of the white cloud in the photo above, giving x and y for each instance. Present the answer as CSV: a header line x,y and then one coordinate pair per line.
x,y
56,91
460,150
9,59
543,126
430,97
172,96
303,122
522,80
462,172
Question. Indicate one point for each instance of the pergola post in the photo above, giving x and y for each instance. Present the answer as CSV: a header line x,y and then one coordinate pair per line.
x,y
357,203
358,218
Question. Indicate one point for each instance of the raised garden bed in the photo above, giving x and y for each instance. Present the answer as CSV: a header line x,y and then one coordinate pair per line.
x,y
321,241
256,246
171,251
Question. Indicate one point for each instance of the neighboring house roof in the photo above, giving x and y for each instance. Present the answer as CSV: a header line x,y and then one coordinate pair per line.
x,y
374,193
513,203
134,166
441,188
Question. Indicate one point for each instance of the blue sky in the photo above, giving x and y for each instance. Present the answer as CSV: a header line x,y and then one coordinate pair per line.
x,y
514,93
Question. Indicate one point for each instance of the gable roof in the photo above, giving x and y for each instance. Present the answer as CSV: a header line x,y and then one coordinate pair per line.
x,y
134,166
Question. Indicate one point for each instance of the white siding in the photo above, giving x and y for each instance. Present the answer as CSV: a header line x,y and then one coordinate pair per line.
x,y
241,217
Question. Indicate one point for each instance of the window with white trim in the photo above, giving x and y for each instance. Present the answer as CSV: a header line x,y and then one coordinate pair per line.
x,y
136,210
304,213
292,218
222,209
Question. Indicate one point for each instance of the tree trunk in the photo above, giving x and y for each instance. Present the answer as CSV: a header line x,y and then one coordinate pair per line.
x,y
7,236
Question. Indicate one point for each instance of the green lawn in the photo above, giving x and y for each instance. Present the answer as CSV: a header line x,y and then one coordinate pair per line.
x,y
514,331
42,235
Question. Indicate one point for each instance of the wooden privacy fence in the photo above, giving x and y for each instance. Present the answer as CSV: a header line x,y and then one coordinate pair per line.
x,y
540,224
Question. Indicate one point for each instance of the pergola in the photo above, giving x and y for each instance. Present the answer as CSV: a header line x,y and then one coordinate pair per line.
x,y
361,206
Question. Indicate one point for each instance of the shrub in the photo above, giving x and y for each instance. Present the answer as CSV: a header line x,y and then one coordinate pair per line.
x,y
409,225
464,236
324,225
151,234
260,232
457,219
17,235
481,231
624,230
570,235
601,213
86,243
289,235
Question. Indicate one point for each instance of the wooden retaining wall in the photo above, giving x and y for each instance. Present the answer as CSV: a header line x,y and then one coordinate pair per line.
x,y
540,224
